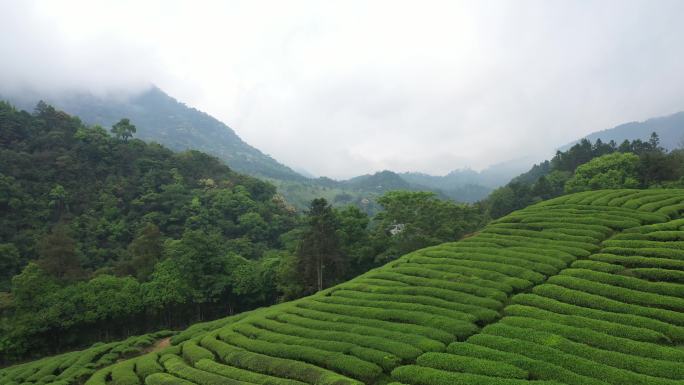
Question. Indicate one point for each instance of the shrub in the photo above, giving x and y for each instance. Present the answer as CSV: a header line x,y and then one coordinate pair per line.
x,y
416,295
662,288
431,327
674,333
165,379
469,268
498,267
537,369
425,277
342,363
274,366
147,364
193,353
598,339
599,302
257,330
476,255
391,348
177,367
655,274
639,262
419,375
597,266
389,307
610,328
628,296
455,363
123,373
311,319
244,375
571,362
627,362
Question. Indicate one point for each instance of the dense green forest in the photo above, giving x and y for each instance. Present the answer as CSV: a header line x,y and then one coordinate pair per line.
x,y
592,166
103,235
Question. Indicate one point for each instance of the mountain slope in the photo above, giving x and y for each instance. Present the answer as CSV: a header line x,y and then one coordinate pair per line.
x,y
162,119
614,317
670,129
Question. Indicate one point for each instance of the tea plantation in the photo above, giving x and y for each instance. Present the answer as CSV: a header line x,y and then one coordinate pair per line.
x,y
583,289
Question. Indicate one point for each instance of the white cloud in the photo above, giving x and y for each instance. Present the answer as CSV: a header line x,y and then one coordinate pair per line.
x,y
347,87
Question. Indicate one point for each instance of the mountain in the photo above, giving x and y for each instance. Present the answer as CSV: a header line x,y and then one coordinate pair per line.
x,y
162,119
468,185
551,294
669,128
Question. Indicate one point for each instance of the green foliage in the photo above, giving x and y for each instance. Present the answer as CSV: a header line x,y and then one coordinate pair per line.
x,y
609,171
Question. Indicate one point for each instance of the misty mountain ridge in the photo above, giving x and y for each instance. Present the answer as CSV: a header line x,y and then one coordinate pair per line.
x,y
670,129
160,118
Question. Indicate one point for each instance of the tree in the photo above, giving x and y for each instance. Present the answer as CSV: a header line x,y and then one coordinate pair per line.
x,y
145,251
123,129
58,256
617,170
10,263
319,250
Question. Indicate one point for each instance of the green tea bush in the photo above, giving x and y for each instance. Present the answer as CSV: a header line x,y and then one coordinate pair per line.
x,y
391,348
656,274
419,375
414,310
622,294
243,375
497,267
597,266
486,296
597,339
342,363
178,368
255,330
440,328
411,344
639,262
475,255
423,337
467,268
147,364
448,307
537,369
468,284
642,365
568,361
166,379
594,301
455,363
123,373
672,332
663,288
274,366
193,353
647,252
609,328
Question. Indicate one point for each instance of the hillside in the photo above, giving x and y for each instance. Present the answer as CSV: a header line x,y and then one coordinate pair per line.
x,y
670,129
583,289
162,119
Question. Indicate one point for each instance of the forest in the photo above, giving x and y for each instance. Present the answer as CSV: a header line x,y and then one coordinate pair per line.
x,y
592,166
103,235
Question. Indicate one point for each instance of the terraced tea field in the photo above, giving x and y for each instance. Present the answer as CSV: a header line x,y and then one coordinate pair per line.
x,y
583,289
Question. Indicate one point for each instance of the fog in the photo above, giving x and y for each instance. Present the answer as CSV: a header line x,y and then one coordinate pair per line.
x,y
341,88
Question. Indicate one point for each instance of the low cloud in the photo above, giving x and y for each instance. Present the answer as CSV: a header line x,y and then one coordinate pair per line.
x,y
344,88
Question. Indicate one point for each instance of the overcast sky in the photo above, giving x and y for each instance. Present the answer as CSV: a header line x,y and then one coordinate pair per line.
x,y
341,88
